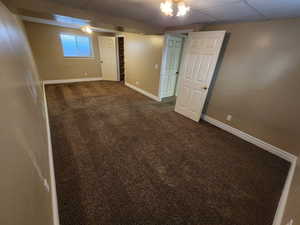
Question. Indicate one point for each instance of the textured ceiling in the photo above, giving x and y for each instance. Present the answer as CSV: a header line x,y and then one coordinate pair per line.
x,y
202,11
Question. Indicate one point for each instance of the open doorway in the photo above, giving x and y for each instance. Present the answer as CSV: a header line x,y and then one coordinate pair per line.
x,y
111,50
188,89
121,61
108,57
169,79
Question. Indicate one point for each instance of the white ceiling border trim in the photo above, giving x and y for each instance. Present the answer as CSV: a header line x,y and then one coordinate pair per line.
x,y
60,24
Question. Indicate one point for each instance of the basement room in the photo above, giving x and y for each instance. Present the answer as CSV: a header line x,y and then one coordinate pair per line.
x,y
150,112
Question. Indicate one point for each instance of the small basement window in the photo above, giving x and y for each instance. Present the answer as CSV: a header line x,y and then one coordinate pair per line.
x,y
76,46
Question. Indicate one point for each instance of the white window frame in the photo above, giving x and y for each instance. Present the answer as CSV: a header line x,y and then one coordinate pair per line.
x,y
77,35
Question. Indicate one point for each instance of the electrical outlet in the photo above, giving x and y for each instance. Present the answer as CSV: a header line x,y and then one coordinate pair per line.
x,y
46,185
291,222
229,117
85,73
156,66
137,82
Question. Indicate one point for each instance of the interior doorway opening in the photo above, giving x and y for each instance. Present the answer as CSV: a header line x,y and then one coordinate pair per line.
x,y
195,57
108,57
169,78
121,64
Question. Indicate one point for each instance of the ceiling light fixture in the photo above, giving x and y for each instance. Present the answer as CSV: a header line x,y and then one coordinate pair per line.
x,y
167,7
182,9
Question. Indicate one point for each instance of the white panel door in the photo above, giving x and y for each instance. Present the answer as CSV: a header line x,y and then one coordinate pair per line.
x,y
108,57
170,65
200,56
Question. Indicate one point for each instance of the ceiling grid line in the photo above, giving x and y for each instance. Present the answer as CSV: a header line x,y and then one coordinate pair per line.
x,y
206,14
255,9
202,11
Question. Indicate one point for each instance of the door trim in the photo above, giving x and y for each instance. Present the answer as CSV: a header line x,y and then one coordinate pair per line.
x,y
164,60
163,64
116,53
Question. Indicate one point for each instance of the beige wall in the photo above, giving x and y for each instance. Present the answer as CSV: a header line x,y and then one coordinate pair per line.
x,y
24,152
257,82
52,65
142,53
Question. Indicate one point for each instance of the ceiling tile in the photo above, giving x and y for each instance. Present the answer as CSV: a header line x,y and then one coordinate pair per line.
x,y
204,4
277,8
194,17
73,3
233,12
132,9
202,11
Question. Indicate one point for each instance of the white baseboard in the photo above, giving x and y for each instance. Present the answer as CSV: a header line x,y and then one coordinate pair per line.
x,y
264,145
284,195
72,80
270,148
156,98
51,165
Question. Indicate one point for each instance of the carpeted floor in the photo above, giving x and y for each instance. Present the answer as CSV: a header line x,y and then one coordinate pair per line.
x,y
123,159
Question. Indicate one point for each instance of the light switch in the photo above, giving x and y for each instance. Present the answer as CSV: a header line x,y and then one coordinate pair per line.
x,y
46,185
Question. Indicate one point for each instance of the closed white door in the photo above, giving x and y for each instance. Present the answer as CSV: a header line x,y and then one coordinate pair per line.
x,y
108,57
200,56
170,65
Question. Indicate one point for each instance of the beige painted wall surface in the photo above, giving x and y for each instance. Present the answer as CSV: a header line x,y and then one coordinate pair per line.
x,y
24,149
142,53
257,82
52,65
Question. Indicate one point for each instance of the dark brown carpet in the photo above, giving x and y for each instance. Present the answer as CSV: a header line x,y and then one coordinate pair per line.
x,y
124,159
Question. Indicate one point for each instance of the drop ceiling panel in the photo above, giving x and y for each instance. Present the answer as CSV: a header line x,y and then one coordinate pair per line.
x,y
72,3
204,4
277,8
132,9
195,16
233,12
202,11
